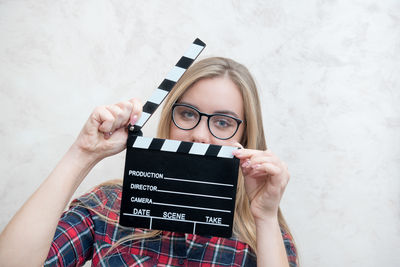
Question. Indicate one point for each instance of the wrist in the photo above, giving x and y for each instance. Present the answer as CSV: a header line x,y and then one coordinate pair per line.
x,y
81,156
266,221
77,163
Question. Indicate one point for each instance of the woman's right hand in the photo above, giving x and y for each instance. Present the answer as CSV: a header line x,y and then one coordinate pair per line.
x,y
105,132
43,209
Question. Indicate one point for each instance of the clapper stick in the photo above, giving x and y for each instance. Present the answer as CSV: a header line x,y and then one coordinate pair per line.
x,y
167,84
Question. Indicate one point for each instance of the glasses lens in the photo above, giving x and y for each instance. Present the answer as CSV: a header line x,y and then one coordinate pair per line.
x,y
185,117
223,126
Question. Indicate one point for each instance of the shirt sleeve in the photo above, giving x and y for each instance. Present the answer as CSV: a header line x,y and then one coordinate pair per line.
x,y
290,249
73,240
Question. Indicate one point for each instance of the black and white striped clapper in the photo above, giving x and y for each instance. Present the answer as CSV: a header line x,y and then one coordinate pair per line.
x,y
168,83
179,186
173,185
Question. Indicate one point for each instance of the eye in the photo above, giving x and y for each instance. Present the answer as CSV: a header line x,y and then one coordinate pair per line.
x,y
222,122
187,113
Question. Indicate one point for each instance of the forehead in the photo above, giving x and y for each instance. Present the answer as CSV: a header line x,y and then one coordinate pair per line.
x,y
215,94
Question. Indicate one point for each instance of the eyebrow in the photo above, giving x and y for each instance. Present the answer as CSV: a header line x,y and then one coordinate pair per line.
x,y
227,112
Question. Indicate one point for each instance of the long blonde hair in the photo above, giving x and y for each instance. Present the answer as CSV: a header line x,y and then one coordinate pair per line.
x,y
253,137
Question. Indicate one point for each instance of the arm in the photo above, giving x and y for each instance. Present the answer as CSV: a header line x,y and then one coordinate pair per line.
x,y
266,178
33,226
270,247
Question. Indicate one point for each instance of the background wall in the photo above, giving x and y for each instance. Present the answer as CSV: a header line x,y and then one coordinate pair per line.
x,y
329,75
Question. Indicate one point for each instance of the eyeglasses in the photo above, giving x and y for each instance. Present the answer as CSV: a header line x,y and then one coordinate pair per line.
x,y
221,126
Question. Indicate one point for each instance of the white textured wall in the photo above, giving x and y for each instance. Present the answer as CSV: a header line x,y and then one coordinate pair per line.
x,y
329,74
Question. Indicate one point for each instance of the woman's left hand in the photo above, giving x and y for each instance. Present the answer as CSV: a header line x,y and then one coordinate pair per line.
x,y
265,178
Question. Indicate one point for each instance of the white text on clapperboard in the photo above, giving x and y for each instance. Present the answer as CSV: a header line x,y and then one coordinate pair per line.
x,y
144,187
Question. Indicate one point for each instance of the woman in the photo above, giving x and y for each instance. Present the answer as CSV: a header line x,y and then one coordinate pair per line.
x,y
89,229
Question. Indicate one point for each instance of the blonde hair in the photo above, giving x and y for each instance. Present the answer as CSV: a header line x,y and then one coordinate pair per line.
x,y
253,137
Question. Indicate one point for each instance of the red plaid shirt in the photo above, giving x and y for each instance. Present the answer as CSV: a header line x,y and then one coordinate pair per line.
x,y
82,235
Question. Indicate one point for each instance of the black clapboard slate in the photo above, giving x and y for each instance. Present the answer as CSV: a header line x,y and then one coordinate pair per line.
x,y
179,186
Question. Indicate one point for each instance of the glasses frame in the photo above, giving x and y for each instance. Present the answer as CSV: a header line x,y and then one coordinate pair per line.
x,y
238,121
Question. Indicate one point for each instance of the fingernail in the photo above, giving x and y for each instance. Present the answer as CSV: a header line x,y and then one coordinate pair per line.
x,y
107,135
134,120
246,164
237,144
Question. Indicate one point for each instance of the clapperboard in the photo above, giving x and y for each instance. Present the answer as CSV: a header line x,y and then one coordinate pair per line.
x,y
174,185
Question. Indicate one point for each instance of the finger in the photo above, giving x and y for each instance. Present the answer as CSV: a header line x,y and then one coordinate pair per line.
x,y
107,135
247,153
245,163
277,176
244,153
245,171
126,107
268,168
261,158
103,118
121,115
136,110
261,169
237,144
